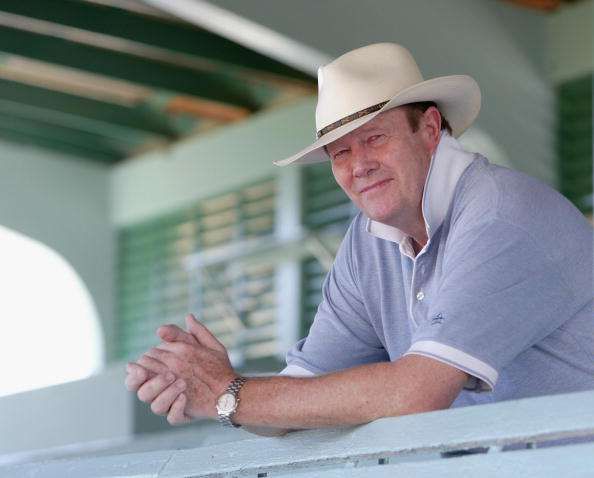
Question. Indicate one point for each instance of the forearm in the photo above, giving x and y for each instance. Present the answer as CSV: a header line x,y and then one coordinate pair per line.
x,y
297,403
350,397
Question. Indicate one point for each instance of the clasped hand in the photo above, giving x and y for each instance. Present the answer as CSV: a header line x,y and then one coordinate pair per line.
x,y
184,375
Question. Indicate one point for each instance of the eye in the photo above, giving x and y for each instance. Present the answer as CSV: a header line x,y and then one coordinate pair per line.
x,y
340,153
376,139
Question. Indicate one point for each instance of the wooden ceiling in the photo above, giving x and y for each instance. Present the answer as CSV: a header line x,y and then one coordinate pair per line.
x,y
107,80
110,79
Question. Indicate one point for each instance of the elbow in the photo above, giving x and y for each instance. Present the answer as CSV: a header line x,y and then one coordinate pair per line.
x,y
267,431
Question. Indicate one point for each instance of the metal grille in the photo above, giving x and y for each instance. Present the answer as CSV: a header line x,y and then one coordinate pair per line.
x,y
326,211
236,301
575,141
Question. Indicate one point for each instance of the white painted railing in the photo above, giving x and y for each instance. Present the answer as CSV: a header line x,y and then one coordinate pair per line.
x,y
411,445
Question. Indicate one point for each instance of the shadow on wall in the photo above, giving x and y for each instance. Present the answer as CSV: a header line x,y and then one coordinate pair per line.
x,y
50,324
475,139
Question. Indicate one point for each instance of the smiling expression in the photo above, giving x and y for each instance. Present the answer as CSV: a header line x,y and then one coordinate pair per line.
x,y
382,167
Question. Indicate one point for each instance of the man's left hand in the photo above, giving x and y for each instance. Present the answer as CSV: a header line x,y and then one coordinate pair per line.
x,y
203,367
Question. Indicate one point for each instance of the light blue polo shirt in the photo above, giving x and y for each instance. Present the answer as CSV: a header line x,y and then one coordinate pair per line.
x,y
503,289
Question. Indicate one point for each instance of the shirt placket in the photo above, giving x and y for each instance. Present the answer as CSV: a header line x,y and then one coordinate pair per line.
x,y
417,298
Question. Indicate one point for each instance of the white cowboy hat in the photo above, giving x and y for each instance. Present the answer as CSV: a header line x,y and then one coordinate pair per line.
x,y
359,85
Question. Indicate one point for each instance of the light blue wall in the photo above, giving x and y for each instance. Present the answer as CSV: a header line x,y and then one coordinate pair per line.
x,y
571,41
212,163
63,203
97,408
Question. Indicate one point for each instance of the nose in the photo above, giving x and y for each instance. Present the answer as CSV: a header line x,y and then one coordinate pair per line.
x,y
364,165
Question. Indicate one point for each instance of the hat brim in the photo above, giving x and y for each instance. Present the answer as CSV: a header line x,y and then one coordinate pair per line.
x,y
458,98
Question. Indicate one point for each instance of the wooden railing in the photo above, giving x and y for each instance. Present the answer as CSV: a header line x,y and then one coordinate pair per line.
x,y
529,437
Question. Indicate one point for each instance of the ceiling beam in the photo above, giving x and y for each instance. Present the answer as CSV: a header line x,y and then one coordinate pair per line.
x,y
57,139
124,66
72,81
137,120
205,109
135,6
104,79
120,140
122,93
245,32
156,38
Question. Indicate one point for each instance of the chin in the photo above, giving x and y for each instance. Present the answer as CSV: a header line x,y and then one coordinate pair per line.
x,y
384,218
378,209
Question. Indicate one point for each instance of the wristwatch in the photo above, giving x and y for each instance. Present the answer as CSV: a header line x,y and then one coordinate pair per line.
x,y
227,403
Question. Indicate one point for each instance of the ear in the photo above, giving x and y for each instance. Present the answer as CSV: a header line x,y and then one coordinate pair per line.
x,y
431,126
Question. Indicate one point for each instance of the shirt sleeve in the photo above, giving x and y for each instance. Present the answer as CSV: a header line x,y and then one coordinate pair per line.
x,y
341,335
296,371
500,294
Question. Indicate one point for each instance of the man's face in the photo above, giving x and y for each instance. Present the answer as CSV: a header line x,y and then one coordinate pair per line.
x,y
382,167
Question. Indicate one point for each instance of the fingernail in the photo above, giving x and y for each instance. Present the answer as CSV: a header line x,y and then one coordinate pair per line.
x,y
170,377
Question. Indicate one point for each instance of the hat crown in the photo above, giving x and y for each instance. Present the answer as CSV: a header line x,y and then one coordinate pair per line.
x,y
363,78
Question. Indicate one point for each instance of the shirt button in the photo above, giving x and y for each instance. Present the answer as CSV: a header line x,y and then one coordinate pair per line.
x,y
420,295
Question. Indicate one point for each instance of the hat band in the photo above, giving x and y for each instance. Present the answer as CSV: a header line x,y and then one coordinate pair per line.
x,y
349,118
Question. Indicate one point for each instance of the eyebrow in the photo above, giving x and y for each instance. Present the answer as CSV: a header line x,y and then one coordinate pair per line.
x,y
363,130
368,128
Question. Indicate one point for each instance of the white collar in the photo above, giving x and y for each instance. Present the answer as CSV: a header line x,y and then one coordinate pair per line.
x,y
447,165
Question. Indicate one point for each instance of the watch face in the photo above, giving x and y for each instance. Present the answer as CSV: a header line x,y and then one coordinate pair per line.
x,y
226,403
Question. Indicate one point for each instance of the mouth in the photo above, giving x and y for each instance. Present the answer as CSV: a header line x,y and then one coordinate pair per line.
x,y
377,185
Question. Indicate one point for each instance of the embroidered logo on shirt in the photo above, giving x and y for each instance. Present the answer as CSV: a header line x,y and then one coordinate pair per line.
x,y
437,320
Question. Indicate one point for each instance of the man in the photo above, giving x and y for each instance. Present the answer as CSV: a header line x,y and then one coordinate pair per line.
x,y
459,283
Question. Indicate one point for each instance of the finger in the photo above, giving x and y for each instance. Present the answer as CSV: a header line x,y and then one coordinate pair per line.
x,y
177,415
136,376
179,349
163,402
153,365
203,335
153,387
163,356
173,333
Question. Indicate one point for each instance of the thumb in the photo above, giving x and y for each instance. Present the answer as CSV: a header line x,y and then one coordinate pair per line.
x,y
203,335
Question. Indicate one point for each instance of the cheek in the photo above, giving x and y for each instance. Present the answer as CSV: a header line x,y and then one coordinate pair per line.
x,y
341,177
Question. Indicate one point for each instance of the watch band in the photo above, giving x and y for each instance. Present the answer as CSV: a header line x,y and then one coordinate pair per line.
x,y
233,388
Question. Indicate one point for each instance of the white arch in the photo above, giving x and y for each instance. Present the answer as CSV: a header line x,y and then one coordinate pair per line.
x,y
49,327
